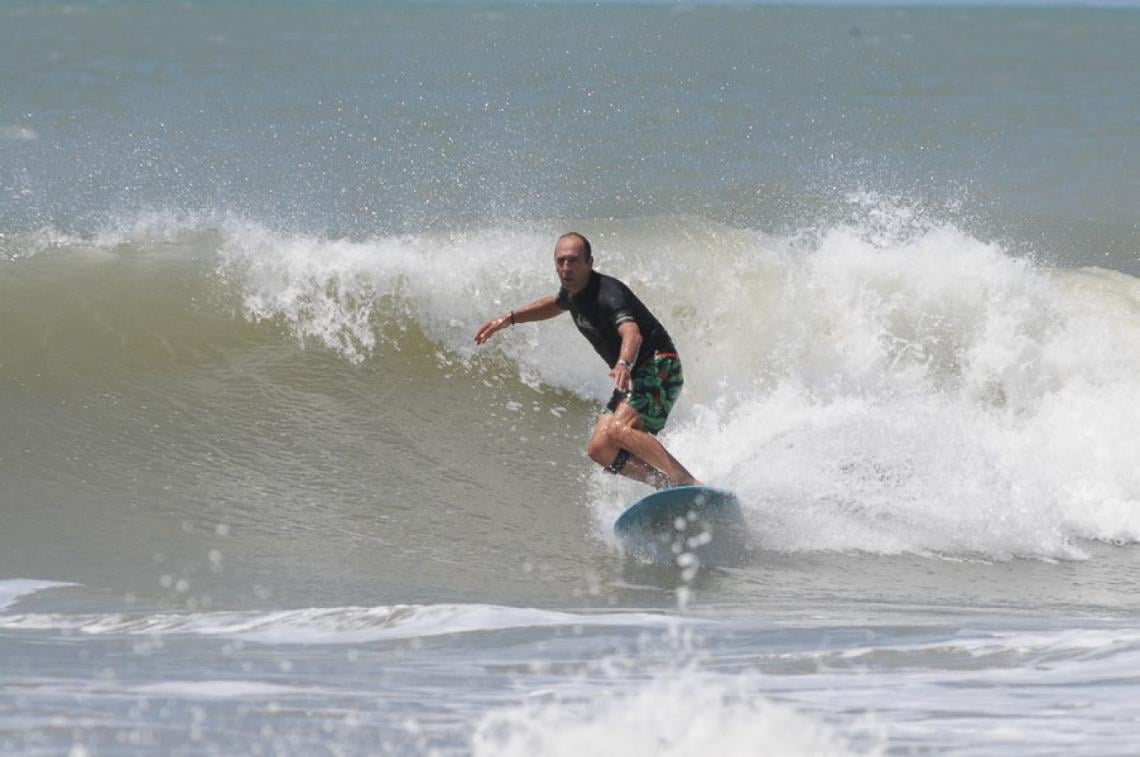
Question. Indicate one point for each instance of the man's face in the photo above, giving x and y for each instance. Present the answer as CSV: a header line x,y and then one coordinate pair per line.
x,y
571,264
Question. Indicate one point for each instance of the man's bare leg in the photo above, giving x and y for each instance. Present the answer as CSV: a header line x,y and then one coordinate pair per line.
x,y
639,470
648,460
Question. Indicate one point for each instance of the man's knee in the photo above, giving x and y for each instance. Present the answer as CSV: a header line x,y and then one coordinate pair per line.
x,y
600,449
605,447
619,434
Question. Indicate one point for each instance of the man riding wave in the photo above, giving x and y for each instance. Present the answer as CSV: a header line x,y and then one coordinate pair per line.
x,y
644,364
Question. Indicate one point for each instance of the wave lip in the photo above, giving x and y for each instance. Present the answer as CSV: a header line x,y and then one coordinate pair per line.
x,y
340,625
14,589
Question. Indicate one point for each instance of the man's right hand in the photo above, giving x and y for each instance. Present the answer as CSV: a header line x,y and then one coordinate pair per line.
x,y
488,329
539,310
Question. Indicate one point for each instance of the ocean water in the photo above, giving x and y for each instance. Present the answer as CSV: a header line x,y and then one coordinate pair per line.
x,y
260,493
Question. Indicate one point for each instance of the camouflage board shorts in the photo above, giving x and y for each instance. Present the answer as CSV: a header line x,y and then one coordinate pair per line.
x,y
656,385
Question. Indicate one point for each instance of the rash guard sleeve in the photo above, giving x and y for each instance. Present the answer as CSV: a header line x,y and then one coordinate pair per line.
x,y
616,304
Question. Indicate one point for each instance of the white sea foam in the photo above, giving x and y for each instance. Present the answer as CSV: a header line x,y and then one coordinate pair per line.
x,y
683,713
980,689
924,392
340,625
220,689
144,230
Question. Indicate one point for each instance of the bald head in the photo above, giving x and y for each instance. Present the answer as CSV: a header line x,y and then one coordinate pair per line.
x,y
583,244
573,261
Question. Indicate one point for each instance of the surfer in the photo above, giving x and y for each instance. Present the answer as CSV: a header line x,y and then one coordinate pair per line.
x,y
644,365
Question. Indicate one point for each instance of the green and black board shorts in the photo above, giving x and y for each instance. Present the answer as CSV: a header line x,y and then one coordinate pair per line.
x,y
656,385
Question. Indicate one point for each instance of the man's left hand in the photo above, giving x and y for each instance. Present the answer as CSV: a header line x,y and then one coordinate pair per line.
x,y
620,374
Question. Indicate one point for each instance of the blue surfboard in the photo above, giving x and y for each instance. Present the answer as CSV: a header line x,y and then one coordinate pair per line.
x,y
697,520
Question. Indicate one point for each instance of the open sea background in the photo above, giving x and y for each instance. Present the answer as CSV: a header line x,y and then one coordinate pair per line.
x,y
261,494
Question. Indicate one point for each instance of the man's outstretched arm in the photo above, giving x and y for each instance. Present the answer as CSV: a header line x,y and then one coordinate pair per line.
x,y
539,310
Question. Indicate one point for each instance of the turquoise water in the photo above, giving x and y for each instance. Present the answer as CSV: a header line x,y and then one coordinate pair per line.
x,y
261,493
